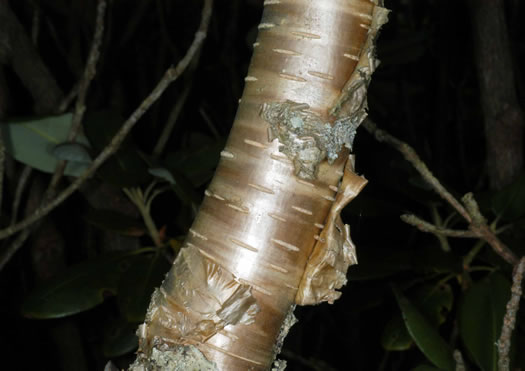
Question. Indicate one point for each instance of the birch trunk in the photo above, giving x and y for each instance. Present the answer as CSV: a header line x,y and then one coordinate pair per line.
x,y
268,234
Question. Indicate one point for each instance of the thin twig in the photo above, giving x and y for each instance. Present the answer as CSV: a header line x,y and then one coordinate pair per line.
x,y
172,119
13,247
177,109
479,226
171,75
443,240
66,101
89,72
425,226
467,259
143,203
473,209
469,209
510,317
411,156
80,106
20,187
208,122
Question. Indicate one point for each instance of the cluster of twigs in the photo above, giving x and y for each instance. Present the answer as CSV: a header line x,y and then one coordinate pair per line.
x,y
52,200
477,228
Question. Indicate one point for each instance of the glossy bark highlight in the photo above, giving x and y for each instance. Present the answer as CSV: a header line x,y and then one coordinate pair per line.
x,y
259,221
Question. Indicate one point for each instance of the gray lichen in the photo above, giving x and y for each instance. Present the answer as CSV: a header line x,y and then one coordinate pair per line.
x,y
305,138
279,365
289,321
303,135
178,358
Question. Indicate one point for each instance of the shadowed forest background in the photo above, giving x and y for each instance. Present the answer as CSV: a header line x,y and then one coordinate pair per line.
x,y
425,92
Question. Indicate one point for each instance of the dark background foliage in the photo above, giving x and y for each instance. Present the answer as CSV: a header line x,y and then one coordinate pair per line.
x,y
425,93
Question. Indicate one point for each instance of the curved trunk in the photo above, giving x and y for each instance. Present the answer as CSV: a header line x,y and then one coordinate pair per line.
x,y
268,234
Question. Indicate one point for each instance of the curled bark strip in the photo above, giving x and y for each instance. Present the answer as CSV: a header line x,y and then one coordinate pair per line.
x,y
352,103
334,251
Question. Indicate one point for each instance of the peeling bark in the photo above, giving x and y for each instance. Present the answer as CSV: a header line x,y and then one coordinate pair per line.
x,y
264,231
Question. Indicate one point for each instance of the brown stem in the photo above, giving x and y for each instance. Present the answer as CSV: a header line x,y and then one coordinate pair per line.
x,y
469,210
431,228
502,114
411,156
479,226
170,75
80,107
509,320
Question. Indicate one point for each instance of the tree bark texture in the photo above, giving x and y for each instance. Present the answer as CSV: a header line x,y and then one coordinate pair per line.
x,y
502,114
268,234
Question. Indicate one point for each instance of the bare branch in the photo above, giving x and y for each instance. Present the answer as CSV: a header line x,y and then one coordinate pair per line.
x,y
66,101
425,226
480,227
171,75
170,124
143,203
80,107
477,223
13,247
20,187
411,156
510,317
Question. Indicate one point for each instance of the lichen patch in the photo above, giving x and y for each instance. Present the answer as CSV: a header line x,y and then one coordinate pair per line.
x,y
305,138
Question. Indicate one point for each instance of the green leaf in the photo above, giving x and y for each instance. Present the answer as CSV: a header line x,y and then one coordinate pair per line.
x,y
79,288
163,174
125,168
395,335
425,335
434,303
137,284
119,338
113,221
509,202
74,152
32,142
480,319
